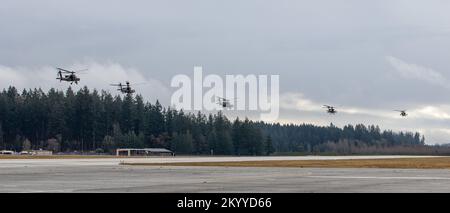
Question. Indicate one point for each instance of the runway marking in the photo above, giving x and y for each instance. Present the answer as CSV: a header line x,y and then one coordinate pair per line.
x,y
382,178
49,191
7,185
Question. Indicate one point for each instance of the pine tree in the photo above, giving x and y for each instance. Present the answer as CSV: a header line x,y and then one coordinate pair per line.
x,y
269,146
85,120
2,142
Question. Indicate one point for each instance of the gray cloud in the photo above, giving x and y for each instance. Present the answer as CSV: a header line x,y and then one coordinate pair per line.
x,y
414,71
324,51
98,76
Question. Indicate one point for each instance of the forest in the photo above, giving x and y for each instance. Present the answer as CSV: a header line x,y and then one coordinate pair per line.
x,y
98,122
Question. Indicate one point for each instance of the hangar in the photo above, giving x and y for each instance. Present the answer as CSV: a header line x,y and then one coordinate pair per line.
x,y
144,152
6,152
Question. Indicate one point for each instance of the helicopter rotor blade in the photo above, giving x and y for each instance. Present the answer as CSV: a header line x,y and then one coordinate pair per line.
x,y
83,70
223,99
117,85
64,70
139,84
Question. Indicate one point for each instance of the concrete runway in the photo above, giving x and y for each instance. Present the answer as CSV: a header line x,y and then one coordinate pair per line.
x,y
5,163
105,175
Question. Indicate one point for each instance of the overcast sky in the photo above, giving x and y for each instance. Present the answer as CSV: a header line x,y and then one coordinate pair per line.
x,y
366,57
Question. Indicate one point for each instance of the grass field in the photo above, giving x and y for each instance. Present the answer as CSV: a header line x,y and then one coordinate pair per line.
x,y
405,163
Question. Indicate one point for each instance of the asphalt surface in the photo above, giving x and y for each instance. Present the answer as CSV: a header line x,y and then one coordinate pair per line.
x,y
105,175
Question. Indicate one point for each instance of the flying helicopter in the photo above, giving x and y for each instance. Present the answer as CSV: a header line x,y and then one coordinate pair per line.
x,y
330,109
69,76
225,103
124,88
402,113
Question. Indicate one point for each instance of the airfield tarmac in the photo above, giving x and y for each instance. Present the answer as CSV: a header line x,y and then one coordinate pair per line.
x,y
106,175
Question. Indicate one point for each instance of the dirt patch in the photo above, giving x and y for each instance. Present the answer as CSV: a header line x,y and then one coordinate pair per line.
x,y
404,163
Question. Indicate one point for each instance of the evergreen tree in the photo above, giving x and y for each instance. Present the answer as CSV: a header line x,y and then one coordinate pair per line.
x,y
87,120
269,146
182,143
2,143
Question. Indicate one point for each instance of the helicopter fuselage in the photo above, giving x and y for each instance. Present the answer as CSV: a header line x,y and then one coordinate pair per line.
x,y
127,90
331,111
69,78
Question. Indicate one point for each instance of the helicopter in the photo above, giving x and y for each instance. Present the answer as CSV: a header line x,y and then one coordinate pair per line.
x,y
69,76
330,109
402,113
225,103
124,88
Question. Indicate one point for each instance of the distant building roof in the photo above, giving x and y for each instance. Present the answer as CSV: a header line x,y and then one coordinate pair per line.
x,y
147,149
6,152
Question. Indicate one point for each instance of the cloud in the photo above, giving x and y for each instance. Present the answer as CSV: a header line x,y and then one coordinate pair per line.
x,y
8,76
430,120
98,76
298,102
414,71
437,135
433,112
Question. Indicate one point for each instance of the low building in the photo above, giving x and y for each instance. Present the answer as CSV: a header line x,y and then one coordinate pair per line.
x,y
24,153
7,152
40,152
144,152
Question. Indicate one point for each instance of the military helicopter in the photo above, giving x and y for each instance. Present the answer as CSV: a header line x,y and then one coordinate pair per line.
x,y
124,88
402,113
225,103
69,76
330,109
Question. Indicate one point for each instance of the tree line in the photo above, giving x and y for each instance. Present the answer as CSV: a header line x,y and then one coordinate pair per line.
x,y
84,120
